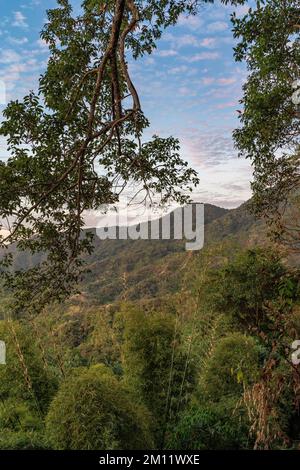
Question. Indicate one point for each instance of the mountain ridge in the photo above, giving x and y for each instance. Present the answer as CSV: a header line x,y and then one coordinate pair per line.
x,y
149,268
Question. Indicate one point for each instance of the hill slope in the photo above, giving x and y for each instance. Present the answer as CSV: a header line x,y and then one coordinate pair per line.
x,y
145,268
148,268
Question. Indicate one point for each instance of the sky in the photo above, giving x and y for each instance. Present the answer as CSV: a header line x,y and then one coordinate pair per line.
x,y
190,88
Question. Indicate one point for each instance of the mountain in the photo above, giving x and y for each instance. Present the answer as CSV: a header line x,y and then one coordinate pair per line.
x,y
152,274
136,269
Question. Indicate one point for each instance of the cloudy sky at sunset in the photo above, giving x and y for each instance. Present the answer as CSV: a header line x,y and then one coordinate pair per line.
x,y
190,88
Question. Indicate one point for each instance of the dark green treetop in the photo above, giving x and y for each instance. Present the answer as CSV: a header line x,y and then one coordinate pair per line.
x,y
270,121
77,143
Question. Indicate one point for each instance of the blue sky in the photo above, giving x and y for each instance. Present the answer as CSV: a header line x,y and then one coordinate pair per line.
x,y
189,88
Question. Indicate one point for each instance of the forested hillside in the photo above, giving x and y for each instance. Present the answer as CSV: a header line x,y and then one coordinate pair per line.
x,y
150,267
135,345
184,334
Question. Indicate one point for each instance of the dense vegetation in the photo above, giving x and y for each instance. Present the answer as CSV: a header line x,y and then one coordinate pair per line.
x,y
160,348
201,363
269,42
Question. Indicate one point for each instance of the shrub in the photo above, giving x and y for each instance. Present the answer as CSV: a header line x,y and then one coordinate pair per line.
x,y
211,427
233,363
24,376
20,427
245,285
155,364
92,411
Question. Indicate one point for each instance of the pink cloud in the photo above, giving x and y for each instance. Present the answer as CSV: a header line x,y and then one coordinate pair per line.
x,y
208,42
203,56
226,81
217,26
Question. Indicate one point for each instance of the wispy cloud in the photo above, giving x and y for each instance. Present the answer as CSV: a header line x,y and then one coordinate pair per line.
x,y
19,20
179,70
208,81
185,40
42,43
207,149
203,56
208,42
187,91
217,26
18,41
31,4
190,22
9,56
226,81
166,53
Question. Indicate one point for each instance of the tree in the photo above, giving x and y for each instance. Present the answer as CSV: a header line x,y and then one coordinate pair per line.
x,y
270,120
156,367
21,427
261,294
77,143
234,363
93,411
211,427
245,285
24,377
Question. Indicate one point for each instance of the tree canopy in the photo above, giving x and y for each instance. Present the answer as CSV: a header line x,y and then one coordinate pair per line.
x,y
78,141
93,411
270,126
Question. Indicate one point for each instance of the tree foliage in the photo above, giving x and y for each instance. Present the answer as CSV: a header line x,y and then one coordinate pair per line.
x,y
155,364
24,376
234,363
270,126
77,143
93,411
21,427
211,427
245,285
